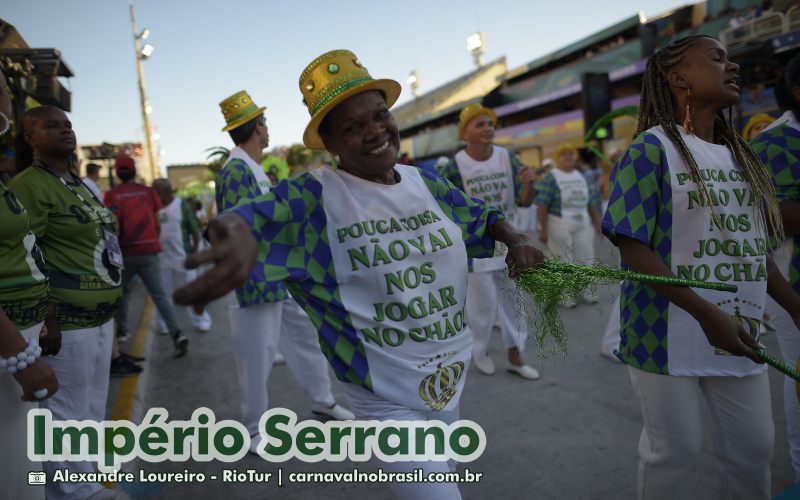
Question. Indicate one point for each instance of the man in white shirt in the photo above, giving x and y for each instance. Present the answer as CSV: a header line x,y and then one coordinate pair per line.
x,y
90,181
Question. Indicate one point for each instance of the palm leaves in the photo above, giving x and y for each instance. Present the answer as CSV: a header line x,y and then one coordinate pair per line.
x,y
217,156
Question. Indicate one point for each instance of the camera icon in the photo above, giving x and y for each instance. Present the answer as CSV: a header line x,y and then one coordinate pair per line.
x,y
37,478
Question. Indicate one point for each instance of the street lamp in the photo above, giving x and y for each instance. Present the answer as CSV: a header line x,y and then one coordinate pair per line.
x,y
476,44
413,82
143,53
146,51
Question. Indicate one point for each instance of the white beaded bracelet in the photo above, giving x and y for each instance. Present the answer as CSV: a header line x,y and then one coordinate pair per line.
x,y
22,360
7,123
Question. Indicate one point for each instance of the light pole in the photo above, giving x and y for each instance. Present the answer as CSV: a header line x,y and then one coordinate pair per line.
x,y
476,44
413,81
141,54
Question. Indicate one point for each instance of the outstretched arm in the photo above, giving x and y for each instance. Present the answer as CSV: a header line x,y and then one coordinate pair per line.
x,y
233,251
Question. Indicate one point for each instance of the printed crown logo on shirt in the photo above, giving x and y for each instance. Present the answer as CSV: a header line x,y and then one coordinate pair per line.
x,y
438,388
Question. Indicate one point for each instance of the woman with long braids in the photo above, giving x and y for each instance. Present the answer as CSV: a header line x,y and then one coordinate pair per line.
x,y
779,149
691,199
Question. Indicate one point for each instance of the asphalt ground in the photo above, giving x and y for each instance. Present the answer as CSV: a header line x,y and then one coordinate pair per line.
x,y
572,434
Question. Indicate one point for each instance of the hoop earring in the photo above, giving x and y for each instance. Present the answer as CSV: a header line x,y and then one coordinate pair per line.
x,y
687,115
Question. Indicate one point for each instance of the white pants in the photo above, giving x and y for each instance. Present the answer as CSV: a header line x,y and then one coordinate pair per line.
x,y
571,238
490,294
789,341
257,333
741,426
367,406
82,367
610,342
14,464
526,217
174,279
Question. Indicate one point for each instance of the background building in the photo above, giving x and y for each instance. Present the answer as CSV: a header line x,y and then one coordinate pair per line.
x,y
556,98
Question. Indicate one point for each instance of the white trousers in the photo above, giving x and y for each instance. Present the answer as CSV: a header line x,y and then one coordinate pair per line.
x,y
14,464
789,341
173,279
257,333
367,406
526,219
610,342
571,238
741,426
490,295
82,368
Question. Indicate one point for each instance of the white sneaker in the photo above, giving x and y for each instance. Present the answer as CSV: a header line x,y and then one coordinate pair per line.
x,y
589,299
525,371
279,359
484,364
569,304
202,326
336,412
201,322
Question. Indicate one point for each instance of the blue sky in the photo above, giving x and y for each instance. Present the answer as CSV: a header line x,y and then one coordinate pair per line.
x,y
205,51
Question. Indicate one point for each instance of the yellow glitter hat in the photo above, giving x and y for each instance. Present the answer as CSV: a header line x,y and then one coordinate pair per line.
x,y
470,111
239,109
330,79
755,120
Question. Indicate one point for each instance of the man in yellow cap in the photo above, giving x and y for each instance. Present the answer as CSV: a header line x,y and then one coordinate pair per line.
x,y
492,174
260,309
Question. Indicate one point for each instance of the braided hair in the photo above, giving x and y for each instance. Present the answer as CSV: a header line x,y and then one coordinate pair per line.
x,y
657,107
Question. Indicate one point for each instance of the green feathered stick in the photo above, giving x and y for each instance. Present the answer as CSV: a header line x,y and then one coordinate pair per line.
x,y
781,367
556,282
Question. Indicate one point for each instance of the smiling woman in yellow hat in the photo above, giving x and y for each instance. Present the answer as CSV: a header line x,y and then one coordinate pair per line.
x,y
374,251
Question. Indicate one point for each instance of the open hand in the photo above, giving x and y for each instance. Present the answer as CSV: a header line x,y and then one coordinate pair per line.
x,y
233,251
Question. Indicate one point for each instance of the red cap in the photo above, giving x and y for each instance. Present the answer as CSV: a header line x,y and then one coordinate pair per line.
x,y
124,162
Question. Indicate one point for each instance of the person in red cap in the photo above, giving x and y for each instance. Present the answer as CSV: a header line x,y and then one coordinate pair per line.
x,y
136,207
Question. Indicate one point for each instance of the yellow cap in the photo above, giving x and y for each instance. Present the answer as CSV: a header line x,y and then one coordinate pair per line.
x,y
563,147
755,120
472,110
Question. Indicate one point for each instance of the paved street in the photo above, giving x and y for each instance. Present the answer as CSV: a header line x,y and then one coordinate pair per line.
x,y
573,434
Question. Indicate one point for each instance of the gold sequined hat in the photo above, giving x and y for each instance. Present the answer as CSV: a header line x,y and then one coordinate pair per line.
x,y
330,79
239,109
472,110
